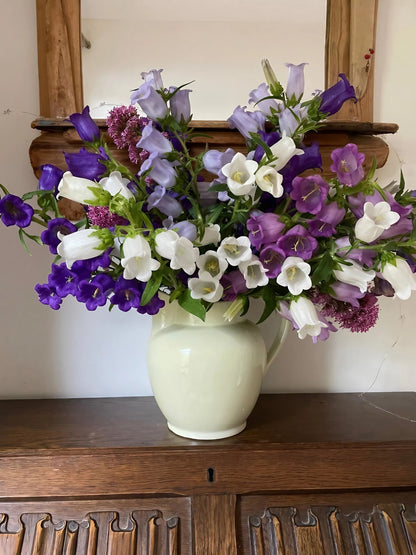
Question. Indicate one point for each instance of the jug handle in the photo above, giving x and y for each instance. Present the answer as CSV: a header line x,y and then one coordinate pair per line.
x,y
278,341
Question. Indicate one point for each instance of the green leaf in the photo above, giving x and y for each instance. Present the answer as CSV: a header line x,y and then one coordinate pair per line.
x,y
152,287
324,269
218,187
269,304
3,188
194,306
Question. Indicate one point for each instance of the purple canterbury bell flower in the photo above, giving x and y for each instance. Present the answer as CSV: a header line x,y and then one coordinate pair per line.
x,y
247,122
310,159
161,171
298,242
15,212
94,293
295,81
85,126
48,295
127,293
154,141
323,225
183,229
267,106
346,293
63,280
152,307
333,98
150,101
364,257
164,202
309,193
180,106
347,164
270,139
50,236
85,164
272,259
50,178
264,229
214,160
234,284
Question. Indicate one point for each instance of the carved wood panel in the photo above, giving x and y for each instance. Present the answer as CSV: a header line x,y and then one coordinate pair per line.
x,y
345,529
139,527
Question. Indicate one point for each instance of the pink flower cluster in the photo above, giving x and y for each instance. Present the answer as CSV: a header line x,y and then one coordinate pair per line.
x,y
125,128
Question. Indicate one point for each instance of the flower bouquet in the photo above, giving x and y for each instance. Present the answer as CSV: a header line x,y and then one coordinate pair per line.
x,y
223,225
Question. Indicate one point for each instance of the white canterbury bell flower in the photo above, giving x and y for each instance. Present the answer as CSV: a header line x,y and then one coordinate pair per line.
x,y
270,181
295,275
354,274
240,175
137,259
206,287
235,250
376,219
179,250
306,318
401,278
253,272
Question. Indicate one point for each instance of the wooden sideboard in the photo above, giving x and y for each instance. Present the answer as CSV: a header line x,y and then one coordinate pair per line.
x,y
311,474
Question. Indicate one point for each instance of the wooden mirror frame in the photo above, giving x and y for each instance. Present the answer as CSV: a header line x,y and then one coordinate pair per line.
x,y
349,46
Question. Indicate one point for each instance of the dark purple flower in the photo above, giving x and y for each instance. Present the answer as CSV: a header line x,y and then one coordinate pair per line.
x,y
164,202
310,159
234,284
152,307
127,294
333,98
272,259
50,178
82,269
50,236
264,228
309,193
382,288
48,295
362,318
86,127
63,280
323,225
101,261
94,293
270,139
247,122
15,212
298,242
85,164
180,106
347,164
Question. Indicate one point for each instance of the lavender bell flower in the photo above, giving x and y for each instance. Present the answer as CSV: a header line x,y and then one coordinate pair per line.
x,y
50,178
214,160
295,82
165,203
347,164
333,98
288,122
323,225
246,122
154,141
50,236
272,258
346,293
150,101
161,171
234,284
15,212
309,193
180,106
153,77
365,257
267,106
85,126
298,242
85,164
183,229
264,229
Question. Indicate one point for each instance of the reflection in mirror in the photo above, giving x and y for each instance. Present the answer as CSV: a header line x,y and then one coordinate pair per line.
x,y
218,45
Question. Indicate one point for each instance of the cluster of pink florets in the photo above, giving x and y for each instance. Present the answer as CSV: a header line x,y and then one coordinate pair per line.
x,y
102,217
125,127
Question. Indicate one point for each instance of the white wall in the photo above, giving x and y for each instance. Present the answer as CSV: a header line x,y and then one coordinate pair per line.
x,y
72,352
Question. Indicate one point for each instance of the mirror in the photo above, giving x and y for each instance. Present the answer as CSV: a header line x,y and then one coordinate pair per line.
x,y
219,46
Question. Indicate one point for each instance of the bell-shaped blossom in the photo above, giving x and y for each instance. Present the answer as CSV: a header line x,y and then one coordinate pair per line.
x,y
85,164
346,293
268,137
323,225
333,98
305,317
48,295
283,151
63,280
247,122
354,274
206,287
240,174
115,184
295,82
270,181
14,211
310,159
137,259
272,259
264,228
356,203
253,272
77,189
164,202
80,245
127,294
50,235
298,242
94,293
183,228
234,284
215,160
180,106
85,126
150,101
400,276
179,250
288,121
377,218
259,97
310,193
295,275
50,178
235,250
161,170
348,164
153,77
212,263
212,236
154,141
